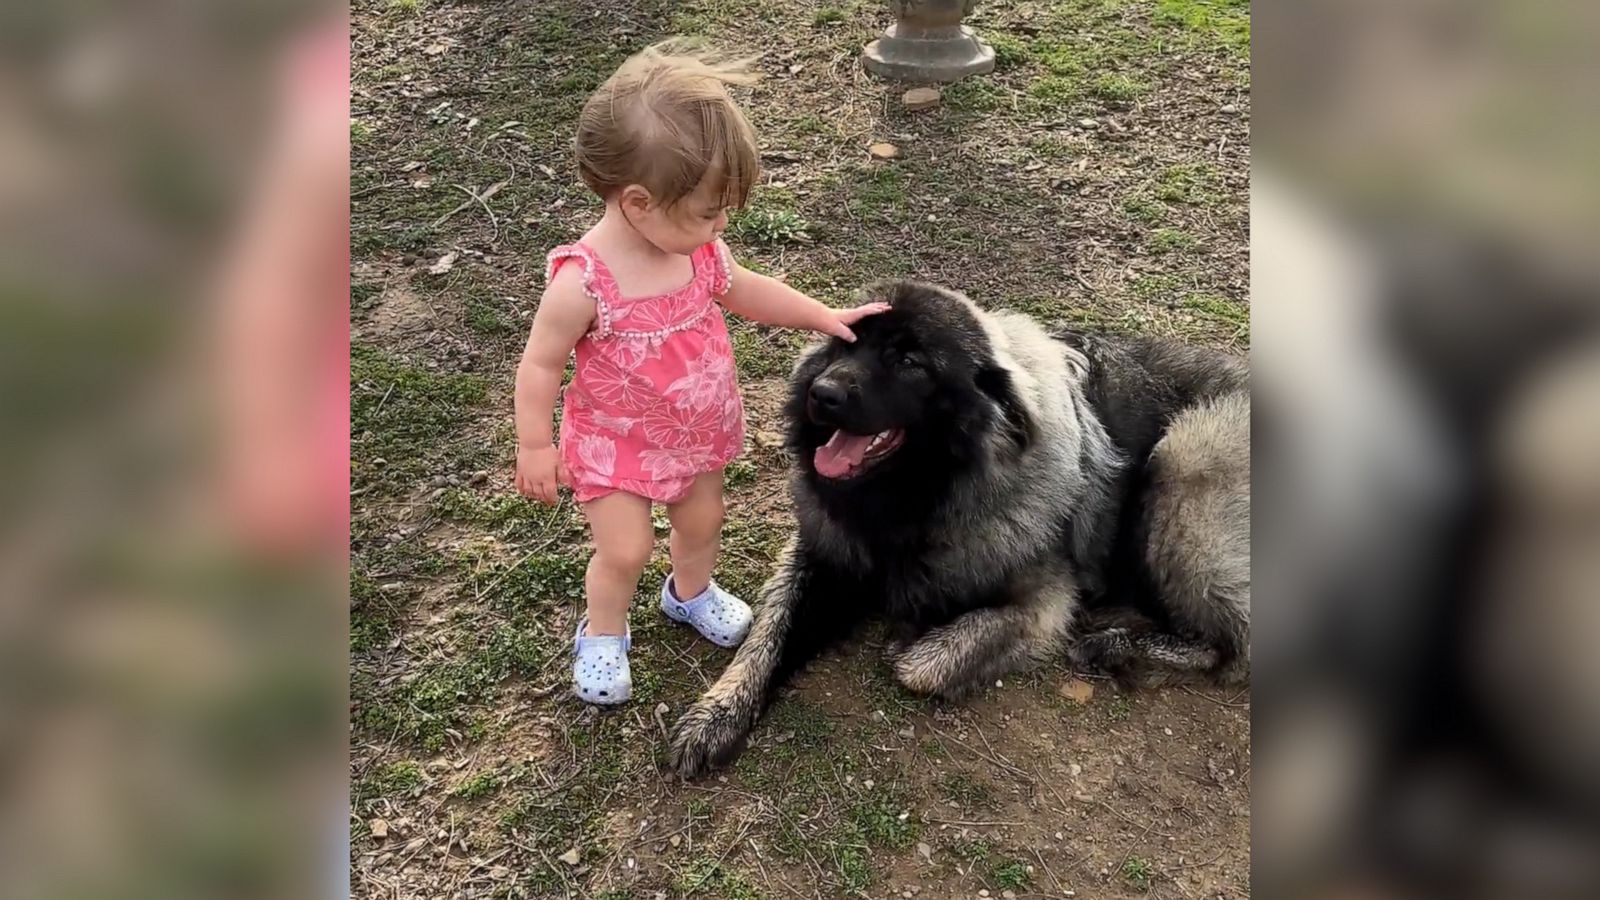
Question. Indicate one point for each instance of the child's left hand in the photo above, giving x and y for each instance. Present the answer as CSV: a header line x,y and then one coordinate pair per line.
x,y
838,321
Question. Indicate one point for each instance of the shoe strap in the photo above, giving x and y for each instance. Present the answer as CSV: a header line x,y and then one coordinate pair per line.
x,y
580,638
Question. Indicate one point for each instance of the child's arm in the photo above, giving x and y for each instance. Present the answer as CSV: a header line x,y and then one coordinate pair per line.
x,y
769,301
565,313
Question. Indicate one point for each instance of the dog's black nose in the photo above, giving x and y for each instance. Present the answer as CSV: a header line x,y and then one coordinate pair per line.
x,y
827,394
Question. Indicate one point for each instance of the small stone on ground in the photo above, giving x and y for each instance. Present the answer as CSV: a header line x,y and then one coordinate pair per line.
x,y
920,98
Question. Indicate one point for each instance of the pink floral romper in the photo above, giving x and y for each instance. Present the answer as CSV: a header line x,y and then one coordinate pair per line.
x,y
655,400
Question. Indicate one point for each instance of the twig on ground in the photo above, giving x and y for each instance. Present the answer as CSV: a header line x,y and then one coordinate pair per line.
x,y
474,197
972,824
1046,866
980,754
1128,855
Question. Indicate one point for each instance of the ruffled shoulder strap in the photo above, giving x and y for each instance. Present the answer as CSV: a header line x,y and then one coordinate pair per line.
x,y
586,258
719,262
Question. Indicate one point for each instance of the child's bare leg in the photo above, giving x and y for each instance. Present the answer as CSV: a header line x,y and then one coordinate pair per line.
x,y
620,524
696,535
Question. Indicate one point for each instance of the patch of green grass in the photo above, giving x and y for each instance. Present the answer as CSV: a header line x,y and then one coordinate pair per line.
x,y
398,411
806,723
699,808
1120,708
1142,209
1061,57
374,615
762,352
850,862
1222,22
1117,88
966,791
364,295
1049,146
884,820
1220,310
1138,872
1086,317
1056,90
1042,307
875,193
1157,288
507,514
486,319
573,815
1009,52
750,550
478,786
1170,240
526,586
647,681
1011,875
405,6
1189,183
441,696
812,124
971,95
828,15
738,474
766,225
360,132
972,850
393,780
705,876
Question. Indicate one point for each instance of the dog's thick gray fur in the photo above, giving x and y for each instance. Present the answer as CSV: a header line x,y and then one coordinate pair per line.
x,y
1102,506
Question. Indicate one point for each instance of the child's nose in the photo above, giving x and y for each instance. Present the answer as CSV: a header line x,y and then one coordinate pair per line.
x,y
722,221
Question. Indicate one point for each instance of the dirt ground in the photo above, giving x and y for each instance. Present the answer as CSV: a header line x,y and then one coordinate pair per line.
x,y
1098,178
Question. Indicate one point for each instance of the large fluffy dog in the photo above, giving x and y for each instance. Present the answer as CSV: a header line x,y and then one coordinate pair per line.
x,y
974,481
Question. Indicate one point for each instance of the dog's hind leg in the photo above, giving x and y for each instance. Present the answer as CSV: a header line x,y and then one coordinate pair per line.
x,y
1197,548
795,620
1145,658
984,644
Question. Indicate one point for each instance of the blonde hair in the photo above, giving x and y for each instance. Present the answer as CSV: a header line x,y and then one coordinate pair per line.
x,y
665,122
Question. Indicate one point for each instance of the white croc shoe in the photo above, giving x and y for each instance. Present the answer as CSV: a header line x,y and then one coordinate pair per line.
x,y
719,616
600,666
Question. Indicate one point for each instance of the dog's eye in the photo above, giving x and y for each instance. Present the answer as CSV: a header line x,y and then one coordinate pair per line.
x,y
907,361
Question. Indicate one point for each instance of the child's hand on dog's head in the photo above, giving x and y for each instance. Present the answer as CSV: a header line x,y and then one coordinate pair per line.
x,y
842,319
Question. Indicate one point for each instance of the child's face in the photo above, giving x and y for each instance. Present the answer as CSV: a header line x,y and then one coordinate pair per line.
x,y
683,227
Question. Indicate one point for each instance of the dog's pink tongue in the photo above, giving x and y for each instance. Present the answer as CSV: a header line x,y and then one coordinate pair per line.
x,y
840,454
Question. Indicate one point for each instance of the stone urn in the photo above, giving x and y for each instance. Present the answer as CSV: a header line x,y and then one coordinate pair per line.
x,y
927,42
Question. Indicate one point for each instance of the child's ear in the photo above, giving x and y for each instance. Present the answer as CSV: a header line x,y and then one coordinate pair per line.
x,y
635,199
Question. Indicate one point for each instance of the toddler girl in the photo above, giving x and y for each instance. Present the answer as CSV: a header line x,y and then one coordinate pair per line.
x,y
653,413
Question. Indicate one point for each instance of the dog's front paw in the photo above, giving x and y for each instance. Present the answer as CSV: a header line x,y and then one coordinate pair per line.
x,y
708,735
923,668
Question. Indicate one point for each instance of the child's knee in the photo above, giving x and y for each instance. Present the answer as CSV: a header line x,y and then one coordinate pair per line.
x,y
624,557
702,527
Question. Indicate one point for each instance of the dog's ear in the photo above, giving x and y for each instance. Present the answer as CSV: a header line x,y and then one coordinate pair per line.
x,y
1016,421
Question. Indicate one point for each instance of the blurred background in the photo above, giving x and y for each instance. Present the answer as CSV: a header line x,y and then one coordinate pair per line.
x,y
173,462
174,428
1424,283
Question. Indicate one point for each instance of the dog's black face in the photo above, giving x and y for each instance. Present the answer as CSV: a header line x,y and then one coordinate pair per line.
x,y
910,396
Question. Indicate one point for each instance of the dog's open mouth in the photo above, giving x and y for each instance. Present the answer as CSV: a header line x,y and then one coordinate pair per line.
x,y
848,455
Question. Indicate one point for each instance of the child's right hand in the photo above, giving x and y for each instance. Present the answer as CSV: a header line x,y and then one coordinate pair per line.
x,y
539,473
